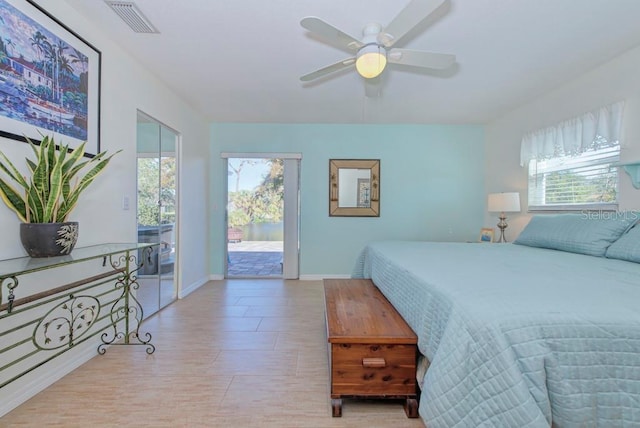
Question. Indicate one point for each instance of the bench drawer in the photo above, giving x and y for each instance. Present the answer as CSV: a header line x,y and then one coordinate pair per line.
x,y
370,369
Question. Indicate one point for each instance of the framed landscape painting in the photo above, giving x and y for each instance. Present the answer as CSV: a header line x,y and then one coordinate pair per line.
x,y
49,79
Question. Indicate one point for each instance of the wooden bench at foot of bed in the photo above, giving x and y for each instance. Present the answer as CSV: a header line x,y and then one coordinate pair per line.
x,y
372,350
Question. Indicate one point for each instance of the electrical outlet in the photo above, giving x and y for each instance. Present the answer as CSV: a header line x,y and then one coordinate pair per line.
x,y
125,203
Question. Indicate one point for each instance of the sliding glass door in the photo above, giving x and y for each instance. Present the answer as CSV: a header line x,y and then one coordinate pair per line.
x,y
157,212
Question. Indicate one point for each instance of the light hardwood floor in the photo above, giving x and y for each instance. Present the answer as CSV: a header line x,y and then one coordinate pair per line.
x,y
236,353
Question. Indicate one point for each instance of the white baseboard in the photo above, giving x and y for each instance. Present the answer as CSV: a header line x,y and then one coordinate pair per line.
x,y
216,277
185,291
320,277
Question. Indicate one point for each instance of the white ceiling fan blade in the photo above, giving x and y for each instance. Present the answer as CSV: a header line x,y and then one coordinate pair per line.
x,y
330,33
328,69
421,59
409,17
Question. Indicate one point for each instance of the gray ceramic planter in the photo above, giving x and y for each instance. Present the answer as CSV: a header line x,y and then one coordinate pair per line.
x,y
49,239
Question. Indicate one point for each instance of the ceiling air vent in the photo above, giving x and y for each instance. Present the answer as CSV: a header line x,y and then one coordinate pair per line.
x,y
132,16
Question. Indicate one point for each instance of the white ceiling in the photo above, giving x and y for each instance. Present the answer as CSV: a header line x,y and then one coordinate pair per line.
x,y
240,60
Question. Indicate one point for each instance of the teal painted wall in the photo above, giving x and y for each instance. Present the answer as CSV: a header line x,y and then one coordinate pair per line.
x,y
431,185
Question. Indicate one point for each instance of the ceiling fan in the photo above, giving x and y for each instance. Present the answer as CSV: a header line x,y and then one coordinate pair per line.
x,y
376,48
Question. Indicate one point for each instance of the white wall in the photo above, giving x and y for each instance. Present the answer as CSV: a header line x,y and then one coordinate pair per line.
x,y
126,87
613,81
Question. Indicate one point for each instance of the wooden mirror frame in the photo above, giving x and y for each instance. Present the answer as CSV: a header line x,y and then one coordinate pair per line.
x,y
334,166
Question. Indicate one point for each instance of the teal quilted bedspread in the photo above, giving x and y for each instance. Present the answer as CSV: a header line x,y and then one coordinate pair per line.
x,y
516,336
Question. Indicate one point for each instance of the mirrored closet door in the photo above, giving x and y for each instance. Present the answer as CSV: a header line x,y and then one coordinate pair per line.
x,y
157,212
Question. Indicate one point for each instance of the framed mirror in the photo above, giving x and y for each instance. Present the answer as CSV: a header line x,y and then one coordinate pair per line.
x,y
354,187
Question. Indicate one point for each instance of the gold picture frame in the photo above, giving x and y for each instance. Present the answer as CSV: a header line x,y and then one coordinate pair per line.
x,y
486,235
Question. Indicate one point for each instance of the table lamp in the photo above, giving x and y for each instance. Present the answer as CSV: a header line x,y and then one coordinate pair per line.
x,y
503,203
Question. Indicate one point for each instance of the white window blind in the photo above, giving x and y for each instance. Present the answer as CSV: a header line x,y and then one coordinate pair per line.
x,y
585,181
572,165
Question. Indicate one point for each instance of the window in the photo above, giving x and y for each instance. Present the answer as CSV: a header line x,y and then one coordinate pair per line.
x,y
573,164
585,181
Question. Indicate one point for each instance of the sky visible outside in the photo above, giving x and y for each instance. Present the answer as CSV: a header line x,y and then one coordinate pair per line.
x,y
250,175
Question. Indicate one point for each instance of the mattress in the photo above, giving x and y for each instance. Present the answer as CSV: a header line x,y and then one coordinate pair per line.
x,y
516,336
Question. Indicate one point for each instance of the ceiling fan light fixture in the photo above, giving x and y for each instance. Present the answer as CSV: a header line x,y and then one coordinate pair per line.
x,y
371,60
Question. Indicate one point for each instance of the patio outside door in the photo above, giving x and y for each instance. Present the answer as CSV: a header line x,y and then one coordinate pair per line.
x,y
262,215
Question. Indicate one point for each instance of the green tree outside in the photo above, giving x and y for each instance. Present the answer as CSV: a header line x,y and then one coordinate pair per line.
x,y
263,204
582,189
156,182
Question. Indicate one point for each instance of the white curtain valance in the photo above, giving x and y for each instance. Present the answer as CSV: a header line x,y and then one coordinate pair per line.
x,y
574,136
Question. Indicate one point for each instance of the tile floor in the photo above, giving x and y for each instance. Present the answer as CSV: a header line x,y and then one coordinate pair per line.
x,y
235,353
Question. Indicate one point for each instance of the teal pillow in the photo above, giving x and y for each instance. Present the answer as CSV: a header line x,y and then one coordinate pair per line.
x,y
627,247
587,233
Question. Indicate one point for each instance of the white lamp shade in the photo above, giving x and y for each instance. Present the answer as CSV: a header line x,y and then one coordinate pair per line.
x,y
504,202
372,60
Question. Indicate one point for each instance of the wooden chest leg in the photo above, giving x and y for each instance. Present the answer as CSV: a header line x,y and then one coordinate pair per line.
x,y
411,408
336,407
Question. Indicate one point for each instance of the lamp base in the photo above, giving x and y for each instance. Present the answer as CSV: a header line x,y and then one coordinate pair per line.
x,y
502,225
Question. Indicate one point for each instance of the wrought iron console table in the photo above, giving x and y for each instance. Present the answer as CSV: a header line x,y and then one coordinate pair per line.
x,y
39,322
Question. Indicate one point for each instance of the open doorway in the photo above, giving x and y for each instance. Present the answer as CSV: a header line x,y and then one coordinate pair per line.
x,y
262,216
255,228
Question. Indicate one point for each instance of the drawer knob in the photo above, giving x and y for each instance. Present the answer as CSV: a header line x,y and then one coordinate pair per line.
x,y
374,362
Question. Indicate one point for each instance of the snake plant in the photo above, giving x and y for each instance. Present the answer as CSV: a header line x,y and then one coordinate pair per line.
x,y
54,186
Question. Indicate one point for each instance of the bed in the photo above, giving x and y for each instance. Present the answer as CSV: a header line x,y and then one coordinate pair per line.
x,y
519,335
